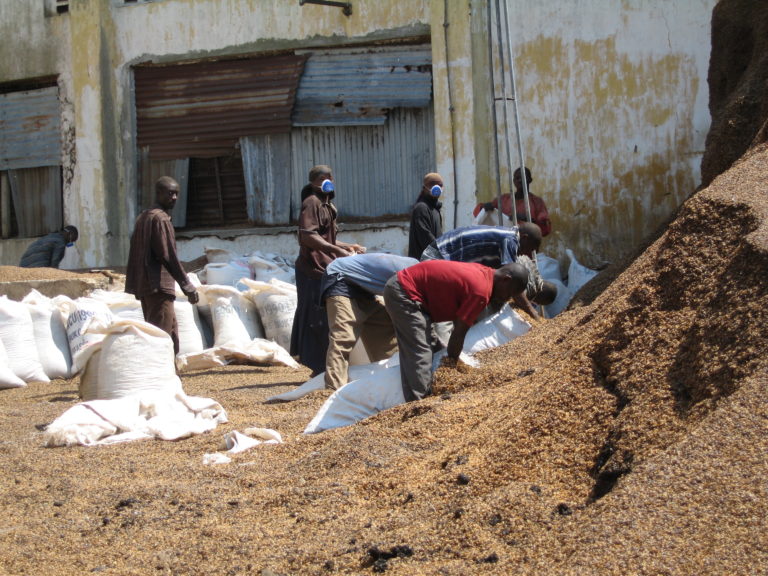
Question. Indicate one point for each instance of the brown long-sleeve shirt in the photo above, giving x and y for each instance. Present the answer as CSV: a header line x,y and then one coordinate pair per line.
x,y
317,217
153,264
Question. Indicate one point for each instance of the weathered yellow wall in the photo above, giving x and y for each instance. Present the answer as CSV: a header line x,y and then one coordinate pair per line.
x,y
613,115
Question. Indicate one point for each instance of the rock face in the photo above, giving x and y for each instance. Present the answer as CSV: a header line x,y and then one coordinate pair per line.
x,y
738,84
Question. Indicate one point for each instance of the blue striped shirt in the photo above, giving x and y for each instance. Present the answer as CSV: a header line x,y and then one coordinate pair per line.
x,y
480,244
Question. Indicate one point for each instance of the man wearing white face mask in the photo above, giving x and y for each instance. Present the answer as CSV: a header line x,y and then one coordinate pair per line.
x,y
318,246
426,220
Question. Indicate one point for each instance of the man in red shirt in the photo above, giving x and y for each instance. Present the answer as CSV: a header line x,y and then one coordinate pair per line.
x,y
153,265
539,214
442,291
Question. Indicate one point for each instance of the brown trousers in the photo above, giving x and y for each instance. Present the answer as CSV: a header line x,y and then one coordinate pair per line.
x,y
159,311
348,320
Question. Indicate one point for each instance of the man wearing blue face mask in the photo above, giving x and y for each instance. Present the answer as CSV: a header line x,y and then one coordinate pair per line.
x,y
48,251
318,247
426,220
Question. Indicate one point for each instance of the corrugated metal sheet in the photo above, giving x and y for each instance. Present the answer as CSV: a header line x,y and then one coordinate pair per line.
x,y
30,129
377,169
360,88
267,177
36,194
201,110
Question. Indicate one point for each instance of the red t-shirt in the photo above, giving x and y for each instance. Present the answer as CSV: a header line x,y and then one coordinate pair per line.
x,y
449,290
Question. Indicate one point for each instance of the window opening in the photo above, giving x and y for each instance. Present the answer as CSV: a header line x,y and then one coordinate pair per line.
x,y
216,192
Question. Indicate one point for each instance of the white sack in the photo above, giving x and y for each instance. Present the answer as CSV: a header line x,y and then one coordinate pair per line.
x,y
88,383
120,304
7,378
578,274
265,267
491,218
190,335
236,442
18,335
226,274
149,414
83,317
561,300
218,255
135,357
234,317
257,351
358,400
50,335
276,303
317,382
549,268
495,330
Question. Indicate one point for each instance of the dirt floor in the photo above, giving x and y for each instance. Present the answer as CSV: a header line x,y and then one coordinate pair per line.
x,y
627,436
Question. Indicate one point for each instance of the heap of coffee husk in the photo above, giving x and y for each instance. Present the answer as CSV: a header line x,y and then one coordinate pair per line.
x,y
628,436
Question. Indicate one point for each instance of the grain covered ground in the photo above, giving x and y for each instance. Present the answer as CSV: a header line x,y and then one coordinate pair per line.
x,y
626,436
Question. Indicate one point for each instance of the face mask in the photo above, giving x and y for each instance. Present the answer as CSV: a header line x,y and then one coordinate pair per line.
x,y
436,190
70,244
327,186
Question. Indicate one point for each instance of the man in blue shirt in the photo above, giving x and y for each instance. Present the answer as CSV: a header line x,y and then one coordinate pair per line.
x,y
48,251
351,289
492,246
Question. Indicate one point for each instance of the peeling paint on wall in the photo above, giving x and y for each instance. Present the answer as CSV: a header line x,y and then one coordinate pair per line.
x,y
613,119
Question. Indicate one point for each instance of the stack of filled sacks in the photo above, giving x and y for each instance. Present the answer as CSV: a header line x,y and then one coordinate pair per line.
x,y
33,341
245,312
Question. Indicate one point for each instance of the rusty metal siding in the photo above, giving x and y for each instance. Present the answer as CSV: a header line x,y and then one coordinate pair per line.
x,y
30,129
344,87
202,109
377,169
37,200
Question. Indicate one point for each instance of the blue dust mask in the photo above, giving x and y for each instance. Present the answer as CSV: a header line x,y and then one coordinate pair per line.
x,y
70,244
327,186
436,190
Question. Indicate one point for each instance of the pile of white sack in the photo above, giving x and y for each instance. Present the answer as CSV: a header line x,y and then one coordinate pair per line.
x,y
100,336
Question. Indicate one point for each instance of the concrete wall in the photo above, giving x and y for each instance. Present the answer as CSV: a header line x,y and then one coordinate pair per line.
x,y
613,106
612,102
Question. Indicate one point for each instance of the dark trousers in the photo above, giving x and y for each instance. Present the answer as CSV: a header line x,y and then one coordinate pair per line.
x,y
159,311
413,328
309,335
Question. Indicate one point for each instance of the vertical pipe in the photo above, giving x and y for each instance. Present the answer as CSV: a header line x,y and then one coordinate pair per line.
x,y
501,39
493,111
451,113
523,179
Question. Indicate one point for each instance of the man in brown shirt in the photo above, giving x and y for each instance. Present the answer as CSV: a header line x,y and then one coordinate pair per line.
x,y
153,266
317,247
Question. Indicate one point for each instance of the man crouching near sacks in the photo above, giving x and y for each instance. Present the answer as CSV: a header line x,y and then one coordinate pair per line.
x,y
442,291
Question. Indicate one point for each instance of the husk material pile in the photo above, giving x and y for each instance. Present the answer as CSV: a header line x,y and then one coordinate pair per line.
x,y
625,436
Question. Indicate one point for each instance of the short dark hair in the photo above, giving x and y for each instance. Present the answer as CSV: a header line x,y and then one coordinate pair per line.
x,y
547,294
517,273
528,176
319,170
72,232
